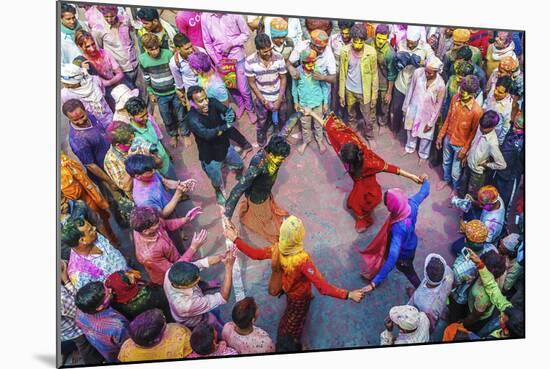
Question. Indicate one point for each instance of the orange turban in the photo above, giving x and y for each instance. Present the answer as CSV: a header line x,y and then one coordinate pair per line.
x,y
319,38
508,64
476,231
487,195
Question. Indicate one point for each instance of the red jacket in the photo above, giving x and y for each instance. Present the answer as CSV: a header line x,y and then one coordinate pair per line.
x,y
297,284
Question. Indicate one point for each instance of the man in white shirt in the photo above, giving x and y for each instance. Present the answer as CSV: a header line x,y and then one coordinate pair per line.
x,y
484,146
188,304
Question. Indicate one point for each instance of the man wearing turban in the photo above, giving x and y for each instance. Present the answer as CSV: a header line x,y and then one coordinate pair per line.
x,y
461,37
502,47
417,52
422,106
325,66
508,66
78,84
414,326
489,208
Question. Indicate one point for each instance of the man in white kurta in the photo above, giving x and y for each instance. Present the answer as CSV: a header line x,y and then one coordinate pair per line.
x,y
422,106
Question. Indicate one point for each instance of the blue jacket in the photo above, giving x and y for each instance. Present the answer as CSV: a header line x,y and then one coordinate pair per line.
x,y
403,236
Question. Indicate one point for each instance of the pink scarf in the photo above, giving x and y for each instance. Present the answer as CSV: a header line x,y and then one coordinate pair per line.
x,y
375,254
397,203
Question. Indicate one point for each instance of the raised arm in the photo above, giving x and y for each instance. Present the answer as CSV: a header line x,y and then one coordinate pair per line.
x,y
254,169
423,193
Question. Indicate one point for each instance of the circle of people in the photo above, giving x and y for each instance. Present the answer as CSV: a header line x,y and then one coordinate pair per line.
x,y
314,79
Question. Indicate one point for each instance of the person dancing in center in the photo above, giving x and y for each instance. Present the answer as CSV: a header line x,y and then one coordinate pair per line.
x,y
258,210
362,164
293,272
396,242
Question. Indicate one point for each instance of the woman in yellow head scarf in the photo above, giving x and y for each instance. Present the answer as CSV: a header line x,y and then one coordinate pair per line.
x,y
293,272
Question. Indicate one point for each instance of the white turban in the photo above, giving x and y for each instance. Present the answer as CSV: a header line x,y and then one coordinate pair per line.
x,y
71,74
427,261
121,94
434,63
511,242
406,317
413,33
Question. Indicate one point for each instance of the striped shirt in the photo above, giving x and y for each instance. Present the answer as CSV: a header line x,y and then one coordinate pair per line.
x,y
106,331
267,77
157,74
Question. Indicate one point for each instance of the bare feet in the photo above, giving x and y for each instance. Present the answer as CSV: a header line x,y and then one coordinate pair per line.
x,y
441,185
302,148
405,153
322,147
174,142
421,162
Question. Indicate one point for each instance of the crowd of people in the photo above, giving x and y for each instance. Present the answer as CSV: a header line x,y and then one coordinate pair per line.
x,y
338,83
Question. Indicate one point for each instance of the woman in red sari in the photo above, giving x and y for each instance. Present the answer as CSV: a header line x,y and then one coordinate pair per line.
x,y
362,164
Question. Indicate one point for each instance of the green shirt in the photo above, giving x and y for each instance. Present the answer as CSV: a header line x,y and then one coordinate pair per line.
x,y
308,91
157,74
479,300
387,69
149,134
493,290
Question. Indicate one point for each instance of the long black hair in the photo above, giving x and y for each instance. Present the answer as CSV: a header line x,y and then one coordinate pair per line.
x,y
351,154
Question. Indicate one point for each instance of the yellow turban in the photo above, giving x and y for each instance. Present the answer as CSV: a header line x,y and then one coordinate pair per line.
x,y
461,35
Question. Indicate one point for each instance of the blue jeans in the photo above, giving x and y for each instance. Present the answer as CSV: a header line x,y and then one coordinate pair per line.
x,y
214,169
173,114
451,163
